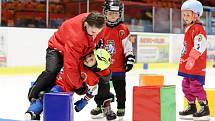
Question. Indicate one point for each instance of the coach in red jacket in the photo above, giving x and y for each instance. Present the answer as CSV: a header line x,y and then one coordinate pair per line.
x,y
67,47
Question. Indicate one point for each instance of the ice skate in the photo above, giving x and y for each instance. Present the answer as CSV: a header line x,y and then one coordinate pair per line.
x,y
203,114
31,116
187,114
109,114
97,113
34,111
120,114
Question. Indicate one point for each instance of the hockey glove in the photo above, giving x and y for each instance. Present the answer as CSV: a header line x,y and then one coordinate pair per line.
x,y
80,104
82,90
129,62
193,55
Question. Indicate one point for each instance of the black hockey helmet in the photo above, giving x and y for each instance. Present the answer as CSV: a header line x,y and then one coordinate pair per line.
x,y
113,5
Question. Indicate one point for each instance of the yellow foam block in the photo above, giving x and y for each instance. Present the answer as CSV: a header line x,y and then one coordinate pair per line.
x,y
151,79
211,101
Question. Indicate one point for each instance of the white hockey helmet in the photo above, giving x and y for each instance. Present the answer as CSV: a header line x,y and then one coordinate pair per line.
x,y
194,6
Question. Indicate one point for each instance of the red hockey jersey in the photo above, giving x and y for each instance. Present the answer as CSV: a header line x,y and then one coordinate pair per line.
x,y
74,43
195,38
87,75
116,42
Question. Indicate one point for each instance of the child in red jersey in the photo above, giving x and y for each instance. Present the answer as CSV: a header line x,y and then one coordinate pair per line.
x,y
193,62
114,38
94,70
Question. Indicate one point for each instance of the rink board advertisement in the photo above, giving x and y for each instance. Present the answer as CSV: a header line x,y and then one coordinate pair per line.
x,y
165,48
211,48
152,48
3,50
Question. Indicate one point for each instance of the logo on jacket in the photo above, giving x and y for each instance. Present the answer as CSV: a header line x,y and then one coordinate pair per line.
x,y
199,38
110,47
121,33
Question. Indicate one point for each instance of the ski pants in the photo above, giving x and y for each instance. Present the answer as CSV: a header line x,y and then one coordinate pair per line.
x,y
46,80
193,90
104,94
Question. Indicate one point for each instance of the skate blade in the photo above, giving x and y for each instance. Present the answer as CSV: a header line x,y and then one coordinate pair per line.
x,y
41,117
99,116
120,118
27,116
112,120
203,118
188,117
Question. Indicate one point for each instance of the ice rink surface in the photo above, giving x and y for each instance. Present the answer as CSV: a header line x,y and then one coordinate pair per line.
x,y
13,93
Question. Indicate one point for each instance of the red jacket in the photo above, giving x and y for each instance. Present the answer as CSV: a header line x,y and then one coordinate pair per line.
x,y
73,42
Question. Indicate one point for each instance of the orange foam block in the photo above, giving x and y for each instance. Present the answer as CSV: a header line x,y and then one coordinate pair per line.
x,y
151,79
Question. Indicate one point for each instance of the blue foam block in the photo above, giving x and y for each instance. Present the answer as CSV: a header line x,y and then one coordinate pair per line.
x,y
58,107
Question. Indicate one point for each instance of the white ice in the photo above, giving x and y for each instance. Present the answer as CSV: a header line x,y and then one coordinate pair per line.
x,y
13,93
